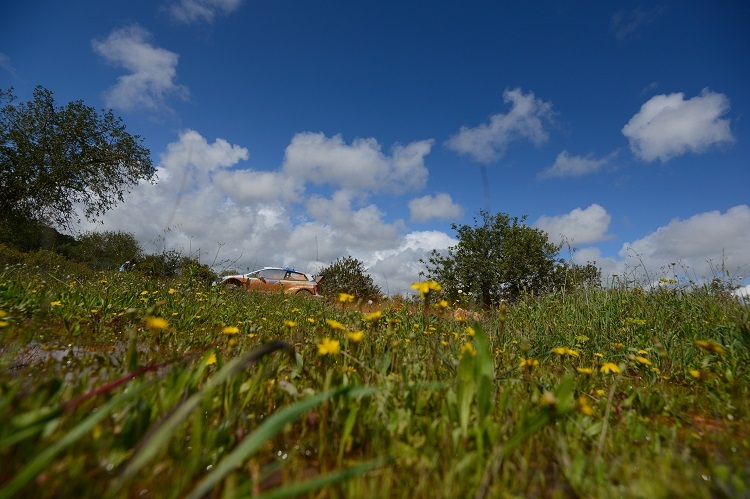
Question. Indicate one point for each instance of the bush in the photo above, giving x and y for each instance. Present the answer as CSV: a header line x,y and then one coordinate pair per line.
x,y
349,275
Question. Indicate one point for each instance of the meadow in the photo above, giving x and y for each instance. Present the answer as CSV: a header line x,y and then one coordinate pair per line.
x,y
116,385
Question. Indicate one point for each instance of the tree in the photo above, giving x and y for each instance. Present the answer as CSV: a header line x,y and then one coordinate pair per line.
x,y
56,159
349,275
499,257
106,250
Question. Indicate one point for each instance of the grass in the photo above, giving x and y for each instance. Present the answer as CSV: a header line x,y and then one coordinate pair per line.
x,y
113,385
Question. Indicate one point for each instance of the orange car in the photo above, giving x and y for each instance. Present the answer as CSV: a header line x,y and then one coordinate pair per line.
x,y
272,280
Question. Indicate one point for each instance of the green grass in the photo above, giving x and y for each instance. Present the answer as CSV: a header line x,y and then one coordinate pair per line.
x,y
97,399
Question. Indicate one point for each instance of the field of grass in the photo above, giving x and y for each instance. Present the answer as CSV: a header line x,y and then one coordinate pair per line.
x,y
115,385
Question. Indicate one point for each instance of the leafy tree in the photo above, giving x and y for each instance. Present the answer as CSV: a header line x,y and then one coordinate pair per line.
x,y
349,275
106,250
499,257
56,159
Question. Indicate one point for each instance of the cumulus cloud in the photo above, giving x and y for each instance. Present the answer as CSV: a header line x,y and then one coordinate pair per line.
x,y
488,142
703,243
196,11
313,157
152,71
575,166
668,126
440,206
577,227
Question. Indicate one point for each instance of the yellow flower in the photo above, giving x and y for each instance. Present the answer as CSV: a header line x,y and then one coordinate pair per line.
x,y
710,346
597,354
94,311
346,298
470,331
442,304
373,316
529,363
4,323
230,330
565,351
584,407
642,360
103,281
144,293
211,359
468,348
609,367
355,336
171,291
329,347
642,352
335,325
3,313
617,346
585,370
426,287
311,320
600,393
55,304
156,323
289,323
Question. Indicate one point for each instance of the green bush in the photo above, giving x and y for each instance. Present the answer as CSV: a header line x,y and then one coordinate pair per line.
x,y
349,275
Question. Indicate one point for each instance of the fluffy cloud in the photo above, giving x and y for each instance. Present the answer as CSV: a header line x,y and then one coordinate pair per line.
x,y
486,143
704,243
575,166
315,158
429,207
577,227
152,70
194,11
668,126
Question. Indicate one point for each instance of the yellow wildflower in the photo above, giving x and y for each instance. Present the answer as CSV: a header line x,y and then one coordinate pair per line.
x,y
55,304
710,346
144,293
442,304
470,331
346,298
597,354
584,407
355,336
335,325
311,320
642,352
171,291
156,323
600,393
426,287
329,347
529,363
468,348
289,324
211,359
642,360
230,330
618,346
373,316
609,367
565,351
585,370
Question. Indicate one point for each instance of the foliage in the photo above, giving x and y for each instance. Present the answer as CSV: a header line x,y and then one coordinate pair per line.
x,y
53,159
106,250
113,384
499,257
349,275
172,263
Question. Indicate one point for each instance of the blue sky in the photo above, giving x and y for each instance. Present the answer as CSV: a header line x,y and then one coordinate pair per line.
x,y
294,132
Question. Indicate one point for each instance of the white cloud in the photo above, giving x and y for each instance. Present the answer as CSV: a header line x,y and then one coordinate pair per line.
x,y
6,65
577,227
704,243
486,143
668,126
440,206
195,11
575,166
152,70
313,157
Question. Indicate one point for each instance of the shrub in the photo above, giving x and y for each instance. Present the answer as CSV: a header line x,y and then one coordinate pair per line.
x,y
349,275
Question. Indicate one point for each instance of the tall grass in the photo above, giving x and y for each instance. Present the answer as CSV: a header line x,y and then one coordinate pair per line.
x,y
114,385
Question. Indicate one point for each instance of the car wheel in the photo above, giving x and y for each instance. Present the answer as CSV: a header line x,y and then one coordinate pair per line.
x,y
231,286
303,292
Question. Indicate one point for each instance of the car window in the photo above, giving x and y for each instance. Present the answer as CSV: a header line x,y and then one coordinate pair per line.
x,y
273,274
296,276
